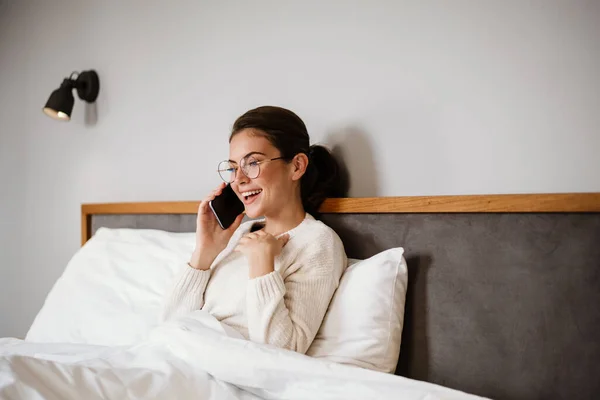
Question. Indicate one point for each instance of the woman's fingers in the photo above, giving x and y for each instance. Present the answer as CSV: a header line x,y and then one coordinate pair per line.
x,y
240,245
284,239
236,224
203,207
219,189
251,235
246,239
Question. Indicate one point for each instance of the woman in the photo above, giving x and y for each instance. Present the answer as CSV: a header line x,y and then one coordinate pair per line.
x,y
272,279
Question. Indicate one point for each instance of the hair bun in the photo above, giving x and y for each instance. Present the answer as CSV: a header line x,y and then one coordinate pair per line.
x,y
322,179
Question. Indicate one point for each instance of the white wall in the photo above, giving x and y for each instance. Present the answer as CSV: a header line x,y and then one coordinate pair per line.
x,y
422,98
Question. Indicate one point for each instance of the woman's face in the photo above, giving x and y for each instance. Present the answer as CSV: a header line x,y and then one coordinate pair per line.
x,y
275,185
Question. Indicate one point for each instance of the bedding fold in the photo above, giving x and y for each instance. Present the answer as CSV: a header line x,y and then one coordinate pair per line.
x,y
193,356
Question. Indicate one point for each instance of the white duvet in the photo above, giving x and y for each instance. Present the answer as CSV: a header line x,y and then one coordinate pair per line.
x,y
194,357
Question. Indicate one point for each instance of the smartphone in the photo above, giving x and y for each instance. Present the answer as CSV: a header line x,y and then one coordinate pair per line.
x,y
226,207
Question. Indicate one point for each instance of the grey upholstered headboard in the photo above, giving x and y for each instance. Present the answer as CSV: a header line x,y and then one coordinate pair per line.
x,y
504,305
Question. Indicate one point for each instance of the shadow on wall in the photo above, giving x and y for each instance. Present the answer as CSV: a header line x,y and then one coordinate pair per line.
x,y
90,117
352,148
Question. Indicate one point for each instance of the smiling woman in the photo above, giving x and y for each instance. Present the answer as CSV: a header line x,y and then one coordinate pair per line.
x,y
273,278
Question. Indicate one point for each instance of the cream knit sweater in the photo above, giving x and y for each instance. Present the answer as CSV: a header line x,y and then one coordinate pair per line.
x,y
284,308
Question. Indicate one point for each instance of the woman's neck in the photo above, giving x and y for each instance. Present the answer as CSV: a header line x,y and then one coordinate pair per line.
x,y
287,219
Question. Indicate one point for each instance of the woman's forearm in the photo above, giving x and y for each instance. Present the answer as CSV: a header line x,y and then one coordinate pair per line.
x,y
260,265
202,259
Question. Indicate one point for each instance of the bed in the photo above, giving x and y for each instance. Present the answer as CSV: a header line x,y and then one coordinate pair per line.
x,y
502,299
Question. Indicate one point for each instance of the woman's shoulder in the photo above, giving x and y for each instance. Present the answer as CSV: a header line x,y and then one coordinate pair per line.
x,y
318,235
318,247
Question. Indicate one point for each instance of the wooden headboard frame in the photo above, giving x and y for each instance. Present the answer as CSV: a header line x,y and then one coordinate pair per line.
x,y
503,203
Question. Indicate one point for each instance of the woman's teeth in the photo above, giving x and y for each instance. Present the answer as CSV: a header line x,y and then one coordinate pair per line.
x,y
250,193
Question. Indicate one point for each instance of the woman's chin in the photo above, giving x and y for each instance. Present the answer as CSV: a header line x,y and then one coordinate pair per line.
x,y
253,212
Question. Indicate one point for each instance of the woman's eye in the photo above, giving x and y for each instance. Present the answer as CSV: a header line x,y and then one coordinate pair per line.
x,y
253,163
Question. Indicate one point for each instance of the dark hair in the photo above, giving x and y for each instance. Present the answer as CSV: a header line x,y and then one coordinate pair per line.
x,y
287,132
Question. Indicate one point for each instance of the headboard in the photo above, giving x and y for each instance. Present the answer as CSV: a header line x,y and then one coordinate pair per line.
x,y
504,290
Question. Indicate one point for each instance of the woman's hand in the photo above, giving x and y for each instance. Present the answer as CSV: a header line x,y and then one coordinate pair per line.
x,y
261,248
211,239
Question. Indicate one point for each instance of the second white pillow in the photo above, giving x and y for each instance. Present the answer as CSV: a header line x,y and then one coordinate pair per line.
x,y
363,325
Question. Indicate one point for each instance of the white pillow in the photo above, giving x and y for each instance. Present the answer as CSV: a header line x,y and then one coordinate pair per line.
x,y
363,325
111,291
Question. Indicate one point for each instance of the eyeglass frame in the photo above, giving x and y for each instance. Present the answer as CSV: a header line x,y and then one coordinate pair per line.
x,y
234,174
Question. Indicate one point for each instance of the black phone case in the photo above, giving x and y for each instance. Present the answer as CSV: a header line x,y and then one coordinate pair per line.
x,y
226,207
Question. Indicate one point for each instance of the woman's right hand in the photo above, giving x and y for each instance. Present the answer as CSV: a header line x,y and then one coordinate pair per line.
x,y
211,239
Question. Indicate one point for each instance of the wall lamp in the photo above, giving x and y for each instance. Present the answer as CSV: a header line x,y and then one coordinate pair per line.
x,y
60,104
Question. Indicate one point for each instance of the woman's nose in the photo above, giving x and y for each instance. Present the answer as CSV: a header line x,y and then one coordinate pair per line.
x,y
240,177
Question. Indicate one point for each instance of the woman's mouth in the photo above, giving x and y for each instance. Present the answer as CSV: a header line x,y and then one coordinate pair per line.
x,y
250,196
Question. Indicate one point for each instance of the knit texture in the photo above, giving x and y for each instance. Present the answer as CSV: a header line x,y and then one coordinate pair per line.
x,y
284,308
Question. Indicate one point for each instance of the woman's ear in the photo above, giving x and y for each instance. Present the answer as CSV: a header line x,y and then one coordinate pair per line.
x,y
299,164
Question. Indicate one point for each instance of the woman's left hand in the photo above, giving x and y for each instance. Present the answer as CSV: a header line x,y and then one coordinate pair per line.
x,y
261,248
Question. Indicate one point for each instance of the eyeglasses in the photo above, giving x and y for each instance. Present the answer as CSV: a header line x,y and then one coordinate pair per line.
x,y
250,167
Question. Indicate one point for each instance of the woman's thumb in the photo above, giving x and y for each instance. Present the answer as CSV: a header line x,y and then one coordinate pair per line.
x,y
284,239
237,222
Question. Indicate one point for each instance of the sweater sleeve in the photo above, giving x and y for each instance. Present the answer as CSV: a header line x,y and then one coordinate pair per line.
x,y
288,313
187,293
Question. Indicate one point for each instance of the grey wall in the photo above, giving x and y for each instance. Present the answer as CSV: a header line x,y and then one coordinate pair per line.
x,y
427,97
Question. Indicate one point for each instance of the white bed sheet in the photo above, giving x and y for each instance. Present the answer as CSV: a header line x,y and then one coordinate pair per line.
x,y
192,357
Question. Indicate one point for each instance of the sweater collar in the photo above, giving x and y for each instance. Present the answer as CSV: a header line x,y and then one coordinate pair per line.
x,y
291,232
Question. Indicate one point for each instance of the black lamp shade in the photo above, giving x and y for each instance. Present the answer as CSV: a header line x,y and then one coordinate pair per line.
x,y
60,103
